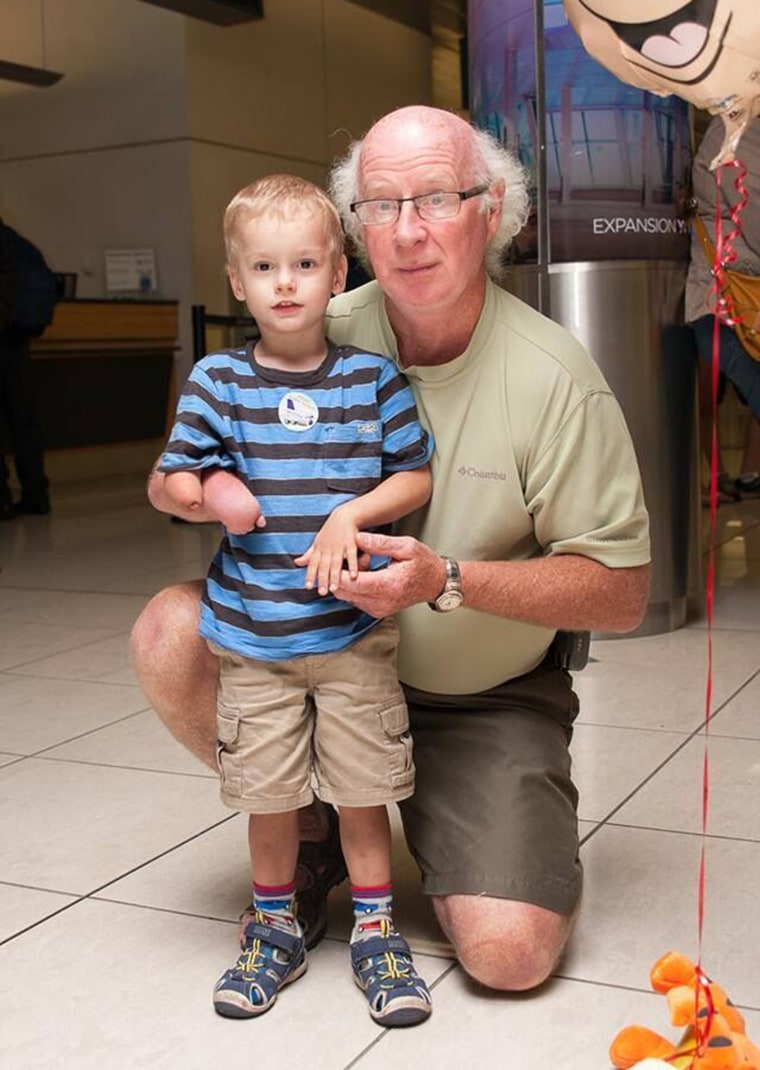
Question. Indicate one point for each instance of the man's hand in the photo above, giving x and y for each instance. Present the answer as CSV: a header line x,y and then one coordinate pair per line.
x,y
415,574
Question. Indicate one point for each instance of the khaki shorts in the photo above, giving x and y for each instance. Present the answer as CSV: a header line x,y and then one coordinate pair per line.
x,y
494,808
340,719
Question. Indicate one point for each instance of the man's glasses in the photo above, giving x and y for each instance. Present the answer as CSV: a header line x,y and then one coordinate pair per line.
x,y
429,206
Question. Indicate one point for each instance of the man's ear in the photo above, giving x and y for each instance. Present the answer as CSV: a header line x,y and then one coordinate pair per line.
x,y
339,277
235,285
496,197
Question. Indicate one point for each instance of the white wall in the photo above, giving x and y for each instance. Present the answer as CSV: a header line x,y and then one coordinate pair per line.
x,y
160,118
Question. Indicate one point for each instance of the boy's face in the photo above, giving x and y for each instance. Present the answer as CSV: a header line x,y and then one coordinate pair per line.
x,y
285,271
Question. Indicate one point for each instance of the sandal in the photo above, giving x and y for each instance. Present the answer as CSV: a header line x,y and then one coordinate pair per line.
x,y
384,970
271,957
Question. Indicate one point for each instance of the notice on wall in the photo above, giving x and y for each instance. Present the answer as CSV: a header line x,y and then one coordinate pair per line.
x,y
131,271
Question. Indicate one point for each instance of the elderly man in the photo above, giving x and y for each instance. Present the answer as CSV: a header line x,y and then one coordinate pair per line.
x,y
537,523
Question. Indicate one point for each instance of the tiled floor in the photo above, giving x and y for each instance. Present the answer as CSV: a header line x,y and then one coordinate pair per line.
x,y
121,874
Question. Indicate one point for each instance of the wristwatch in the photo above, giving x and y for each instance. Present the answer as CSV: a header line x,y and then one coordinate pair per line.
x,y
451,596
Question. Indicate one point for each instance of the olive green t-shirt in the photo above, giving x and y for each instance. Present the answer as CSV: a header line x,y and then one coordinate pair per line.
x,y
532,457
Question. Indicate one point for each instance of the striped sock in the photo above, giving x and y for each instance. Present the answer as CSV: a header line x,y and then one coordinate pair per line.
x,y
277,903
372,906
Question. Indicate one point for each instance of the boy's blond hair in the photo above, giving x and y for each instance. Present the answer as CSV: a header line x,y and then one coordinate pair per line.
x,y
284,196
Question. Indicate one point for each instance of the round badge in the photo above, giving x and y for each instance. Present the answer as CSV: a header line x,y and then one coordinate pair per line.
x,y
298,412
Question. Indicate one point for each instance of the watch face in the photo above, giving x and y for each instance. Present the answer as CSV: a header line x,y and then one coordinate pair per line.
x,y
448,600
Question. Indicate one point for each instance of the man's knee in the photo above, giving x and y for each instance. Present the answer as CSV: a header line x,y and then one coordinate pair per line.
x,y
168,620
503,944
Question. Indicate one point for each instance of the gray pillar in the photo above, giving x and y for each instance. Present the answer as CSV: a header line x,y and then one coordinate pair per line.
x,y
611,253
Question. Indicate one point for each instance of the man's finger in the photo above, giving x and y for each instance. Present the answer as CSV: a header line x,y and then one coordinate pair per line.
x,y
383,545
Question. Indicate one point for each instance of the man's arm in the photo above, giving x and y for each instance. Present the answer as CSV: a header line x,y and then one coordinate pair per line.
x,y
565,591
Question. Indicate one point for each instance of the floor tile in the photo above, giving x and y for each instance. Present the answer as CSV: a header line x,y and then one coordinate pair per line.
x,y
77,826
139,742
210,877
23,642
672,799
104,660
610,763
72,608
740,716
126,987
26,724
22,907
640,900
568,1026
660,681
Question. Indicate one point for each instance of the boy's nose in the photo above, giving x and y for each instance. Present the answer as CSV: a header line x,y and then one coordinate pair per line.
x,y
285,280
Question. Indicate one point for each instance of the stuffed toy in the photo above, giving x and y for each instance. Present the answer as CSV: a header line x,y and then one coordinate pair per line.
x,y
714,1037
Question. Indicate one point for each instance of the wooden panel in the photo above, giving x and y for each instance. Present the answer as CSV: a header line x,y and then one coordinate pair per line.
x,y
115,324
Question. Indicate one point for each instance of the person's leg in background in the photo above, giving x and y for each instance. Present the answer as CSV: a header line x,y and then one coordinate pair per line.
x,y
748,483
19,413
726,489
737,365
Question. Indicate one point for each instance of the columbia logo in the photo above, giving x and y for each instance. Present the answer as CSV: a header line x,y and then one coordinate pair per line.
x,y
470,472
367,429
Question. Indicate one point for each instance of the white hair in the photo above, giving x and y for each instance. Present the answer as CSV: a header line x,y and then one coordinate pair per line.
x,y
490,162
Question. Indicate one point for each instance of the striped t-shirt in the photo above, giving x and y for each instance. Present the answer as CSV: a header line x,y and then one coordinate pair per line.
x,y
304,443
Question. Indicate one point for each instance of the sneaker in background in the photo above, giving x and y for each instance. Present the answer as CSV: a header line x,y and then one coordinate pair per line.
x,y
748,484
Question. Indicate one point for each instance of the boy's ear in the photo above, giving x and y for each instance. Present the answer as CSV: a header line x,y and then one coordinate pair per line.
x,y
235,285
339,278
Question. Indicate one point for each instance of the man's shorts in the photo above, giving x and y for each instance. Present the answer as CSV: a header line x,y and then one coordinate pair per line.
x,y
340,717
494,809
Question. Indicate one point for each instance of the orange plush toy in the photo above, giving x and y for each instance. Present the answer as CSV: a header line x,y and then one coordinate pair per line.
x,y
724,1045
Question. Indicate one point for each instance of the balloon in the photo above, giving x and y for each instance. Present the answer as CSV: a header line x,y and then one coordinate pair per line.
x,y
705,51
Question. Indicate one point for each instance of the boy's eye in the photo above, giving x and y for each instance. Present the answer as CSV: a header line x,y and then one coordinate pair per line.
x,y
262,265
306,264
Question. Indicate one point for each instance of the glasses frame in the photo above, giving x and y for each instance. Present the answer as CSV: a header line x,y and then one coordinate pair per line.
x,y
463,195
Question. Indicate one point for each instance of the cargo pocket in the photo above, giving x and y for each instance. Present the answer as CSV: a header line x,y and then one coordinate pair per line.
x,y
394,719
227,758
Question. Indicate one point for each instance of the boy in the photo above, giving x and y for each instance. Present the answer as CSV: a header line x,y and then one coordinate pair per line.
x,y
295,445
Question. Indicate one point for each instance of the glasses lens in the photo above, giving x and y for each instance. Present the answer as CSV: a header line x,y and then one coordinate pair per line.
x,y
434,206
372,212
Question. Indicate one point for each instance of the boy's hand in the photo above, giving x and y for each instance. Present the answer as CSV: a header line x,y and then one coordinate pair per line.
x,y
334,544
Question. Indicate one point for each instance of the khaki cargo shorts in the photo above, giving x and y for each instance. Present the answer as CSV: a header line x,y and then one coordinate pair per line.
x,y
332,723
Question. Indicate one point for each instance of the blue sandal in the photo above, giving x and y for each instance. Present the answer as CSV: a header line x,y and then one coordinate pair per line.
x,y
384,970
271,958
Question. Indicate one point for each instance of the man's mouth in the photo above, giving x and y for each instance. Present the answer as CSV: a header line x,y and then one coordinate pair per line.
x,y
673,41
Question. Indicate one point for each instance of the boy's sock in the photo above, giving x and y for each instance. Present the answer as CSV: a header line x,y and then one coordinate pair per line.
x,y
277,903
372,907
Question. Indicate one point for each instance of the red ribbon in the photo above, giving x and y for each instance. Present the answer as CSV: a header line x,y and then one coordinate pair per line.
x,y
725,312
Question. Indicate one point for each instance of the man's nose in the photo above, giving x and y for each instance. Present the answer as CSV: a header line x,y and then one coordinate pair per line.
x,y
410,228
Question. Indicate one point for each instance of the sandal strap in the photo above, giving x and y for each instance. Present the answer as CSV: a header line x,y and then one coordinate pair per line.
x,y
379,945
291,943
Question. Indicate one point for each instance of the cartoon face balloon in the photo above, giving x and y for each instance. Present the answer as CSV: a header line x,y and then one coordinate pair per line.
x,y
706,51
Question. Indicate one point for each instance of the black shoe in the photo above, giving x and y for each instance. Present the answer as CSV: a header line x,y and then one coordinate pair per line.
x,y
748,485
321,866
8,511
